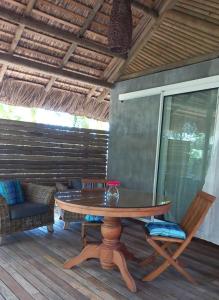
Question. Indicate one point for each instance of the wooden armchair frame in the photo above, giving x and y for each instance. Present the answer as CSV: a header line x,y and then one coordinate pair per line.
x,y
190,224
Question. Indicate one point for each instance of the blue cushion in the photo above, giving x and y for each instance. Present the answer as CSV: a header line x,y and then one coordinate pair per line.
x,y
19,192
8,191
75,184
167,229
11,190
95,219
27,209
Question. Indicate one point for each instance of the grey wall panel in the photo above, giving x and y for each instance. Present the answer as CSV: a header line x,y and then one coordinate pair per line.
x,y
196,71
133,138
133,127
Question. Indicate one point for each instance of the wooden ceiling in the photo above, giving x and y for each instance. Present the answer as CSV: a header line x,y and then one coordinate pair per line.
x,y
54,54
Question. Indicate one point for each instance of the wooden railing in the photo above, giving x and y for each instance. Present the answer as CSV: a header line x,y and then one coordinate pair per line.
x,y
47,154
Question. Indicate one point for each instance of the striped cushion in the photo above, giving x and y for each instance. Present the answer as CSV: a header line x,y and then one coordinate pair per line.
x,y
94,219
12,192
75,184
93,185
167,229
19,192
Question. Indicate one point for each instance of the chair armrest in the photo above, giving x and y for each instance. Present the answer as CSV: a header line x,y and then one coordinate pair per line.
x,y
4,210
39,193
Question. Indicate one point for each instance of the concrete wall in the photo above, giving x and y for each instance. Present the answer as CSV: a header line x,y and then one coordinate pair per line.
x,y
133,124
133,141
133,131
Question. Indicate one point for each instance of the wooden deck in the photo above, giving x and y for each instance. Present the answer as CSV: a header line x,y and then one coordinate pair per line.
x,y
31,268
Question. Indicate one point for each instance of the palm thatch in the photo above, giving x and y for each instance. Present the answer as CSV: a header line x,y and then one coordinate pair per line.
x,y
69,38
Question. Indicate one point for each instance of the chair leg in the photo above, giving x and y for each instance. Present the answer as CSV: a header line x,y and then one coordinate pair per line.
x,y
152,258
149,260
83,234
1,240
66,225
170,260
50,228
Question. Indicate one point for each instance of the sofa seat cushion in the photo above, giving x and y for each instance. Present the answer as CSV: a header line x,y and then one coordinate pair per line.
x,y
27,209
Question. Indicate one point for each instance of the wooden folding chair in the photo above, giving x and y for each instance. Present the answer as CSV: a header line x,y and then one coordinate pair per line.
x,y
190,224
91,185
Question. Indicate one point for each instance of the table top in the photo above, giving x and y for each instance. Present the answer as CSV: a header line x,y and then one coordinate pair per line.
x,y
131,203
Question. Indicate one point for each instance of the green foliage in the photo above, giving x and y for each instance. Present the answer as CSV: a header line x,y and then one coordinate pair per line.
x,y
38,115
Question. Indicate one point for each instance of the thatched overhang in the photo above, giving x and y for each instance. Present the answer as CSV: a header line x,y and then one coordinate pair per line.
x,y
54,53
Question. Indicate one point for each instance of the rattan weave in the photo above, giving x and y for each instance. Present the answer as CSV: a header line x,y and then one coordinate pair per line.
x,y
35,192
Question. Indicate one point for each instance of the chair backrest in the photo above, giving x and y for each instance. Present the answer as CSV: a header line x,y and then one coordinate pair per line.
x,y
93,184
196,213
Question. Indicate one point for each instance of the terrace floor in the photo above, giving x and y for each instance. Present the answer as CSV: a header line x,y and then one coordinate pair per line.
x,y
31,268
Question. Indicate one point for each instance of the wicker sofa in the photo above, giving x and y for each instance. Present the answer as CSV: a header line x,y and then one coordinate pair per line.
x,y
36,211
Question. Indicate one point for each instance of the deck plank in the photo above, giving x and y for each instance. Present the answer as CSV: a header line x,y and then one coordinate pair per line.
x,y
31,267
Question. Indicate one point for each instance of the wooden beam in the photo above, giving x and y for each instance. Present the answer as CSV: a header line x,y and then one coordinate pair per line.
x,y
174,65
2,72
199,24
6,58
21,27
147,10
29,7
119,66
167,5
50,83
18,35
46,29
16,38
81,32
90,94
68,54
103,95
90,17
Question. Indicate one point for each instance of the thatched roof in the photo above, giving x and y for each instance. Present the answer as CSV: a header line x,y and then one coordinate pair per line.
x,y
54,54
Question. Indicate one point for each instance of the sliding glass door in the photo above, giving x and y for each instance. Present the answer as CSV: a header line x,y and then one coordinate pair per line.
x,y
186,142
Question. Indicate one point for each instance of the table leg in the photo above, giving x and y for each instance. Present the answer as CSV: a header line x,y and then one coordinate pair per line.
x,y
119,261
111,252
90,251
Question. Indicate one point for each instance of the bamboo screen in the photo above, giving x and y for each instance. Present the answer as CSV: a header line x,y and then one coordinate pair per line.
x,y
47,154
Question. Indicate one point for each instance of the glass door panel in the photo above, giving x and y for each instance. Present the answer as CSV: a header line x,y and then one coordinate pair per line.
x,y
186,141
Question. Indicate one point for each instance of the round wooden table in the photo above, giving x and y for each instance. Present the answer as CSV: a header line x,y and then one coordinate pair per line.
x,y
111,252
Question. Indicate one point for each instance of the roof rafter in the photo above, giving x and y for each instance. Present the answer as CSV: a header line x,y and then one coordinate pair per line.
x,y
81,32
197,23
50,84
18,34
16,38
29,8
103,95
2,72
57,33
9,59
174,65
147,10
